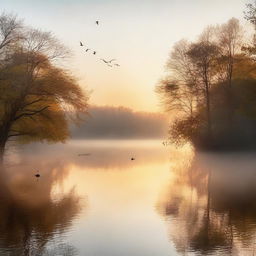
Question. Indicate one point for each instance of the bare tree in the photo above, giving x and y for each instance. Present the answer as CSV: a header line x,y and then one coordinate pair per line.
x,y
178,91
230,42
203,55
192,72
250,13
10,31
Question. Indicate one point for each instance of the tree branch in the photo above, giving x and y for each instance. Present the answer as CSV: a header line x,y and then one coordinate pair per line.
x,y
17,134
30,114
32,102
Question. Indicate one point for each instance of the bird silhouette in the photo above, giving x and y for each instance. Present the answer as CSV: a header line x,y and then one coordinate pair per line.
x,y
132,158
87,49
94,52
108,62
117,65
81,44
97,22
104,61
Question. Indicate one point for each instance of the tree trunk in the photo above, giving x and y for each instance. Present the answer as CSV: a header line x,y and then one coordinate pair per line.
x,y
2,148
4,132
208,105
208,109
3,140
6,124
1,155
230,95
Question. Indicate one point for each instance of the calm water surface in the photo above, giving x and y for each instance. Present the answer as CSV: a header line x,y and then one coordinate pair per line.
x,y
92,200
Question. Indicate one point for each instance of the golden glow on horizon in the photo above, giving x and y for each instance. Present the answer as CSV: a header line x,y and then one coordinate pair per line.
x,y
138,34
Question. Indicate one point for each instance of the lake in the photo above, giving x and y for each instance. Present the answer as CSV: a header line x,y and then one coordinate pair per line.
x,y
91,199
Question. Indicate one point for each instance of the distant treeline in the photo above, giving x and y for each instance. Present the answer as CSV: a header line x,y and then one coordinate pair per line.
x,y
119,122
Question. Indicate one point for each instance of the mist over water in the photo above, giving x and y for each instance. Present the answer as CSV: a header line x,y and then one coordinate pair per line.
x,y
92,199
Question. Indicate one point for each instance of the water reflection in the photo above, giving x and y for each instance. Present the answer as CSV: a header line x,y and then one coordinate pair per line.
x,y
206,202
210,206
46,217
33,221
107,155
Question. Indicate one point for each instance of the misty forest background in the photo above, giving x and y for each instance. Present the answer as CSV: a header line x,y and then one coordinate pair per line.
x,y
116,123
208,93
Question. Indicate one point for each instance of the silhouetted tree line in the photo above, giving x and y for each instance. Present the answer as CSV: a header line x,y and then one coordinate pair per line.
x,y
36,93
120,122
211,88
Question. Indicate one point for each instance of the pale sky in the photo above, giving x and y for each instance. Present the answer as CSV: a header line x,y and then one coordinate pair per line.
x,y
139,34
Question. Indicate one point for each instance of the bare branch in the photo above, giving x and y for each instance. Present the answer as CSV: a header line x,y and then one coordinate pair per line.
x,y
32,102
30,114
18,134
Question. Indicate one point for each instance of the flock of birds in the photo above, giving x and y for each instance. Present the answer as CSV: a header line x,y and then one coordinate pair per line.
x,y
109,63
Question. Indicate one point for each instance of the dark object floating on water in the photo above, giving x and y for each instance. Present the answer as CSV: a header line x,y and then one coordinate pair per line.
x,y
37,175
132,158
87,154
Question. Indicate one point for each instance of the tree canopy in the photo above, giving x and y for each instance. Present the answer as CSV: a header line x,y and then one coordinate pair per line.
x,y
38,96
210,88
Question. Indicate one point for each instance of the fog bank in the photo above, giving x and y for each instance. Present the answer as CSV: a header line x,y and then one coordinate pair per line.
x,y
113,122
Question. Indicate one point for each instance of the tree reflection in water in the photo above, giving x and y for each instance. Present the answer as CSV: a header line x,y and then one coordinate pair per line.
x,y
32,221
210,206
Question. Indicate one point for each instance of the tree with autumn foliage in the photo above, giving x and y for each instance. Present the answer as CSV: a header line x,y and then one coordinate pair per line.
x,y
210,89
38,97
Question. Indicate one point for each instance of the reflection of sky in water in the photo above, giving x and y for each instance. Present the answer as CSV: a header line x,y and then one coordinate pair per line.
x,y
116,196
105,204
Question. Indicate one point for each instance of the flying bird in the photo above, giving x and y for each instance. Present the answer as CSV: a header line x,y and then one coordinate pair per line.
x,y
105,61
81,44
94,52
132,158
117,65
97,22
108,62
87,50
